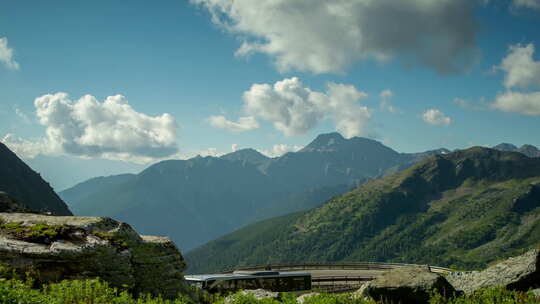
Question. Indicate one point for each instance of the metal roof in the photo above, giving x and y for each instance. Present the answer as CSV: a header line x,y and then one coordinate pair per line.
x,y
241,275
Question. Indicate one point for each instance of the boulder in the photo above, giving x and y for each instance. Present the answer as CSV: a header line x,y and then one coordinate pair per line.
x,y
256,293
54,248
516,273
301,299
412,284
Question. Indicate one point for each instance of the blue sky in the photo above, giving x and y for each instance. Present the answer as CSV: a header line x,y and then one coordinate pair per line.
x,y
455,74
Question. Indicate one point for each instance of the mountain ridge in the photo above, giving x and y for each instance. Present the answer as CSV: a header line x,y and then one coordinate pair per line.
x,y
296,181
24,184
462,209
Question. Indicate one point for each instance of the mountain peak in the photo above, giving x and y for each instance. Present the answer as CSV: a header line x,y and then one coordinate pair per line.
x,y
249,155
506,147
324,142
530,150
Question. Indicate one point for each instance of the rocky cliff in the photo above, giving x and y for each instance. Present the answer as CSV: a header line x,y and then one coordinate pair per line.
x,y
54,248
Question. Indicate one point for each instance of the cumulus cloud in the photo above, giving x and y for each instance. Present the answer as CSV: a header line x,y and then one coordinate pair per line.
x,y
523,103
294,109
280,149
322,36
6,55
210,152
234,147
436,117
385,104
533,4
25,148
520,68
110,129
243,124
522,73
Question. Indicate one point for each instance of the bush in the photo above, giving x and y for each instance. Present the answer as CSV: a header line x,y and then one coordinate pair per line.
x,y
75,292
98,292
495,295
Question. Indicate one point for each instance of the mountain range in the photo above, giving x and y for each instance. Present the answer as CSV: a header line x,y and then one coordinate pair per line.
x,y
529,150
462,209
196,200
24,184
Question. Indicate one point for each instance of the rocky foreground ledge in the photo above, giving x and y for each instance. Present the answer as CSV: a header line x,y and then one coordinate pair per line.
x,y
415,284
54,248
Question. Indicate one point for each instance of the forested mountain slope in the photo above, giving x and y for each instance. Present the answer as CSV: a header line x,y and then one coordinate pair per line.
x,y
463,209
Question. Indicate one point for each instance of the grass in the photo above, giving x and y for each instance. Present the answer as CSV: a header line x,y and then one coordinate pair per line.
x,y
36,233
99,292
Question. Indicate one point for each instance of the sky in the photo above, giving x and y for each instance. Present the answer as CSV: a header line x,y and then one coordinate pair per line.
x,y
91,88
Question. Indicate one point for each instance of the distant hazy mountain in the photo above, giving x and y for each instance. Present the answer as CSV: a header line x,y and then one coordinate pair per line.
x,y
22,183
196,200
529,150
464,209
81,191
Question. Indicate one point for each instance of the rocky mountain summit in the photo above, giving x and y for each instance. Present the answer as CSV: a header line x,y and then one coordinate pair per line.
x,y
53,248
22,183
529,150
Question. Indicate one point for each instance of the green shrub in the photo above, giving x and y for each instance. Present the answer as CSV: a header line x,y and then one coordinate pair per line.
x,y
495,295
98,292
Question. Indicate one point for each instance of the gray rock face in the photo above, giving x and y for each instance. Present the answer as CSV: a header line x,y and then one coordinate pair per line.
x,y
517,273
406,285
258,294
301,299
67,247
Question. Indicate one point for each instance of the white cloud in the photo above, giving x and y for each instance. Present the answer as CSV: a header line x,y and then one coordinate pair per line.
x,y
436,117
243,124
25,148
294,109
471,105
385,104
280,149
521,72
534,4
210,152
322,36
24,118
523,103
111,129
520,68
234,147
6,55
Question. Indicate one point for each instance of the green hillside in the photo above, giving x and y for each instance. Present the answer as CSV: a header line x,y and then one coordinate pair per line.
x,y
462,209
197,200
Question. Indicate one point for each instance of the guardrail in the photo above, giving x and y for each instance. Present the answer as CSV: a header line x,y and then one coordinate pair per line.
x,y
347,266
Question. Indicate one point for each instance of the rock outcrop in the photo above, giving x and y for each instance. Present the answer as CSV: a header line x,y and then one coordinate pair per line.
x,y
258,294
516,273
54,248
406,285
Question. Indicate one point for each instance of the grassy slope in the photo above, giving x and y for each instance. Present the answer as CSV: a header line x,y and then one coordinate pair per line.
x,y
464,209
